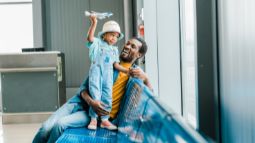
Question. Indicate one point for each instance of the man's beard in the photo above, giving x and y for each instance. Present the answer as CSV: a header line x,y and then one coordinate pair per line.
x,y
126,60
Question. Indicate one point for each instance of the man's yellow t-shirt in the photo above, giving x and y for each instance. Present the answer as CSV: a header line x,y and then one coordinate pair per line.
x,y
118,90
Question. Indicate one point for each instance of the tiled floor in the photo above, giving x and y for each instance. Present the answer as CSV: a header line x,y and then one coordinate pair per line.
x,y
17,133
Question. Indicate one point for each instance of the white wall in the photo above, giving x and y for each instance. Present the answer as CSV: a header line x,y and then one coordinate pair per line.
x,y
16,27
237,68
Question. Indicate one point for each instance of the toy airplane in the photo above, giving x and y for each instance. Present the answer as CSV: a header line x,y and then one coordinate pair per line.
x,y
99,15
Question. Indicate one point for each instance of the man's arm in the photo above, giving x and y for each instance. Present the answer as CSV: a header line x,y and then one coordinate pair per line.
x,y
96,105
147,82
139,73
92,28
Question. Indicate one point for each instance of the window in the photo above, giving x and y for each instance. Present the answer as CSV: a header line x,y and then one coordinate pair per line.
x,y
16,25
188,61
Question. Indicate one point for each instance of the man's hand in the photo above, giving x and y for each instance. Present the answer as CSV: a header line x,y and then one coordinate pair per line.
x,y
98,107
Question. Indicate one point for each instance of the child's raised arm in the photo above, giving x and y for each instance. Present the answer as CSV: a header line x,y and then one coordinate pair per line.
x,y
92,28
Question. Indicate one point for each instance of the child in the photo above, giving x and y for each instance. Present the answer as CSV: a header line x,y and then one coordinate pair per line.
x,y
103,55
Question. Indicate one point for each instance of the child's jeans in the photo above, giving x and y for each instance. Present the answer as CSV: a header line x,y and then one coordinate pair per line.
x,y
101,81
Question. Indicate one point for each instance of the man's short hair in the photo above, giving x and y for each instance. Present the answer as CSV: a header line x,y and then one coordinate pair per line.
x,y
143,48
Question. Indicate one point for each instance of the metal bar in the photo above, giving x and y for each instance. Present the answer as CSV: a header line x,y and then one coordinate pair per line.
x,y
41,69
13,3
15,118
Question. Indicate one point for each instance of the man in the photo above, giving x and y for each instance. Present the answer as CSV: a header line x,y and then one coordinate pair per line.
x,y
74,113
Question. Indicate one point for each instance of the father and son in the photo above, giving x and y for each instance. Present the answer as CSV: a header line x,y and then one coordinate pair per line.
x,y
101,93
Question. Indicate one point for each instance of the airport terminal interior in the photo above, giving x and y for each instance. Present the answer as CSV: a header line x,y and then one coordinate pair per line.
x,y
200,63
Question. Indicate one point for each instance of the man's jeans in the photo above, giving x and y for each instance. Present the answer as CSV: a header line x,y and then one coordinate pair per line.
x,y
69,115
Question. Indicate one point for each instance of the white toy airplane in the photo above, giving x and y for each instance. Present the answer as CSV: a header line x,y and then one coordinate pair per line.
x,y
99,15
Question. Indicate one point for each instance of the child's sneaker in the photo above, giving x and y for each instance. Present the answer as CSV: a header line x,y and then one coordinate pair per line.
x,y
108,125
93,124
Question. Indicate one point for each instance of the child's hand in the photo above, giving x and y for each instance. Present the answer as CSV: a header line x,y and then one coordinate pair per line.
x,y
138,73
93,18
128,72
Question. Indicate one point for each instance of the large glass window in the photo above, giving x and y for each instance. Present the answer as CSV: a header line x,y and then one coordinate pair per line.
x,y
188,49
16,25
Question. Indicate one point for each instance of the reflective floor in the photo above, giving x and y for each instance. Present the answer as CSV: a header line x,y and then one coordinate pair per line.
x,y
17,133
